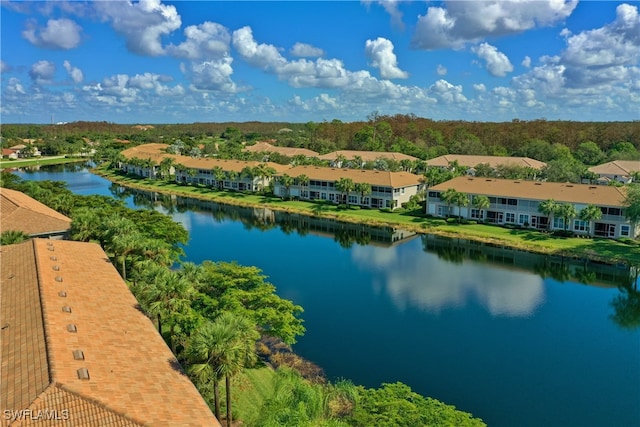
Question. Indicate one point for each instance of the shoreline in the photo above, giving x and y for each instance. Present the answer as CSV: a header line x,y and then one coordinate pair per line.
x,y
421,226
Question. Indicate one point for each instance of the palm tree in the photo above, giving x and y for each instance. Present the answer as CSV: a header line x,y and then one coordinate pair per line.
x,y
449,197
165,167
303,180
481,203
123,245
364,188
589,214
567,212
222,349
287,182
9,237
219,175
345,186
264,171
250,173
461,200
549,208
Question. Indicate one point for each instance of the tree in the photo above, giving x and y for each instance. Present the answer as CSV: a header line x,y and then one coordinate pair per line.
x,y
264,171
567,212
461,200
219,175
631,204
589,214
449,196
481,203
303,180
165,167
287,182
10,237
364,188
549,208
222,348
345,186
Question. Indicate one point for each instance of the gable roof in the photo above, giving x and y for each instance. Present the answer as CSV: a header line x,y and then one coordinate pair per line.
x,y
262,146
617,167
23,213
367,156
470,161
373,177
535,190
133,378
208,163
154,151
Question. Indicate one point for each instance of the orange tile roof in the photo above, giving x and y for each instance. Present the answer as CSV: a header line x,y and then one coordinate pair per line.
x,y
134,379
534,190
373,177
493,161
617,167
208,163
367,156
153,151
262,146
21,212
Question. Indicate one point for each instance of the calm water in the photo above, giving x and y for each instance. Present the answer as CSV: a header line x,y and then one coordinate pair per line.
x,y
513,338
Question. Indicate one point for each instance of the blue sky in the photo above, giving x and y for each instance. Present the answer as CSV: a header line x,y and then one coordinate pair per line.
x,y
298,61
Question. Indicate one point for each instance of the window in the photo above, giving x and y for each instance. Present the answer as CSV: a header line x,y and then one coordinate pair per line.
x,y
353,199
402,190
624,230
476,214
579,225
510,217
523,219
323,196
558,222
442,210
512,202
332,197
433,194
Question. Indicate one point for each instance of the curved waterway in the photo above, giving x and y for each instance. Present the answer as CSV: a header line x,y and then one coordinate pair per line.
x,y
515,338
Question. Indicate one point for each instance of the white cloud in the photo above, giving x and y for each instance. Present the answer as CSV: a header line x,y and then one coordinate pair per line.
x,y
441,70
447,93
480,87
380,53
42,72
391,7
207,40
58,34
497,62
4,67
306,50
462,22
142,24
74,72
526,62
14,87
212,75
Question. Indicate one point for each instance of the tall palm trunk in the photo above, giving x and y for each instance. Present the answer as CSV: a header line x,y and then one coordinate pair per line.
x,y
228,387
216,398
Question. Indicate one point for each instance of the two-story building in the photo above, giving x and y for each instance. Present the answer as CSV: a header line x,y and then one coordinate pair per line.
x,y
339,158
469,162
388,189
617,171
517,202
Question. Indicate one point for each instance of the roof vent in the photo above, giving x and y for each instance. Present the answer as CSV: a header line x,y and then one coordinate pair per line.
x,y
537,183
568,185
51,248
83,373
58,278
72,328
593,187
78,355
49,243
56,268
62,294
52,258
66,309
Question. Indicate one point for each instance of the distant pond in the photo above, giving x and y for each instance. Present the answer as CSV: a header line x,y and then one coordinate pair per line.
x,y
515,338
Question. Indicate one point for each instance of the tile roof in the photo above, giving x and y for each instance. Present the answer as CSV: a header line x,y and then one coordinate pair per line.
x,y
153,151
21,212
617,167
534,190
134,378
367,156
373,177
493,161
261,146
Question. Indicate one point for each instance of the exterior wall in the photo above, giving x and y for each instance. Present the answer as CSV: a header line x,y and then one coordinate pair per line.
x,y
624,179
524,212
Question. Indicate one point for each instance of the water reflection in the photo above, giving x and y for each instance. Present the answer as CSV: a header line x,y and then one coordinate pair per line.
x,y
413,279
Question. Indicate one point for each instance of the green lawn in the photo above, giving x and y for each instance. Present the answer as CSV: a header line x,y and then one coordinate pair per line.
x,y
4,163
534,241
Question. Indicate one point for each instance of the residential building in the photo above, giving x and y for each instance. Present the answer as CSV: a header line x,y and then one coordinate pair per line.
x,y
8,153
469,162
153,153
266,147
517,202
20,212
77,350
388,189
618,170
337,158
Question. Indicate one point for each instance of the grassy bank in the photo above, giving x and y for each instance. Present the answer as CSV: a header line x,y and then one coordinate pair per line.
x,y
57,160
605,250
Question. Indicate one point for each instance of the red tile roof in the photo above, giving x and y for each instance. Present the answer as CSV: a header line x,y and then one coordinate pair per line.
x,y
470,161
367,156
617,167
20,212
373,177
133,378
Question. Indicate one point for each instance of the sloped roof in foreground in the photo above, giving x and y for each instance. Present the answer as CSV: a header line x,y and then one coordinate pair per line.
x,y
604,195
74,340
23,213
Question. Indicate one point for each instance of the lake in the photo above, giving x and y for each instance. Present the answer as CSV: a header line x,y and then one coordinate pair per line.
x,y
515,338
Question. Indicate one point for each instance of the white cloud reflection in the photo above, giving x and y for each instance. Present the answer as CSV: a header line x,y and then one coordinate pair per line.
x,y
422,280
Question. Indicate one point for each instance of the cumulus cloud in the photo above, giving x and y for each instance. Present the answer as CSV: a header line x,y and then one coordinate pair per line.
x,y
391,7
42,72
142,24
526,62
497,62
306,50
74,72
461,22
447,93
441,70
380,53
480,87
207,40
141,90
212,75
58,34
